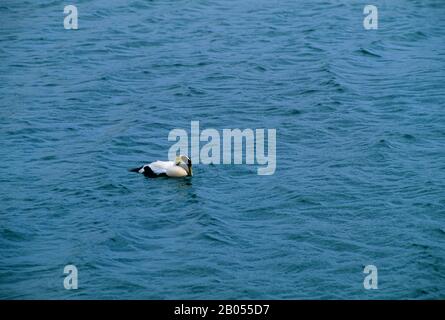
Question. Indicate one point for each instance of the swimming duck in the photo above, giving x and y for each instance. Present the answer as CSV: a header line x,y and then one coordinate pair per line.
x,y
181,167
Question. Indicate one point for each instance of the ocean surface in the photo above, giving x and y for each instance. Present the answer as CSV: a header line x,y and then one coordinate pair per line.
x,y
360,122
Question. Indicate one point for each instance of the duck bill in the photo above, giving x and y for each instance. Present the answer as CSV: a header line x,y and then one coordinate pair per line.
x,y
190,171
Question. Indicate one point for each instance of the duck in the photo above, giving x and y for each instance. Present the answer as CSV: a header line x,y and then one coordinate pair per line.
x,y
181,167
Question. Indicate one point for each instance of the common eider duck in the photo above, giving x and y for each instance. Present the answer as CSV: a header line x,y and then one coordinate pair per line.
x,y
181,167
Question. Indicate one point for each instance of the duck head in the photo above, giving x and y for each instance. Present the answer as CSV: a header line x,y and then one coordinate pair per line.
x,y
185,163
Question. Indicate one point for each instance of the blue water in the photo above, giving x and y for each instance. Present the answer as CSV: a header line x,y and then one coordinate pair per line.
x,y
360,175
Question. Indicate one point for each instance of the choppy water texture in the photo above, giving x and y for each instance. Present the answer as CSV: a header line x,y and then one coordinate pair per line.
x,y
360,149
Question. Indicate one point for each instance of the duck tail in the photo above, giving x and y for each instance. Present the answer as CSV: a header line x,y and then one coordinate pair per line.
x,y
135,169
